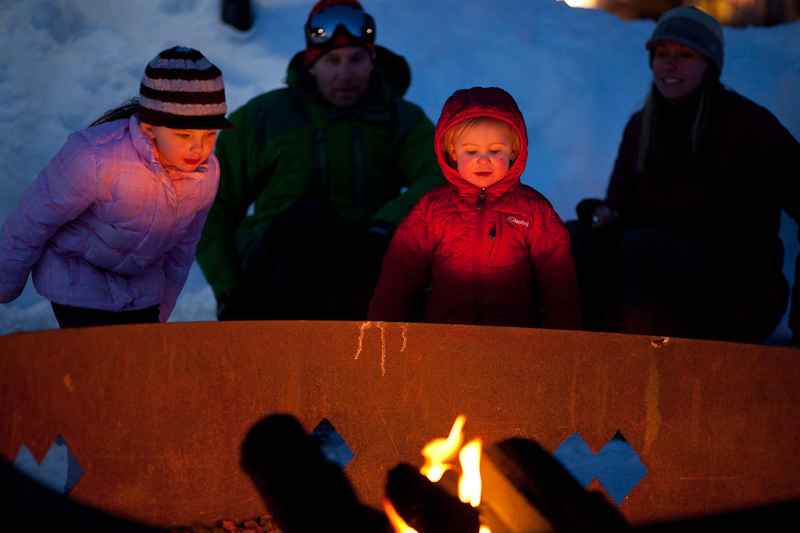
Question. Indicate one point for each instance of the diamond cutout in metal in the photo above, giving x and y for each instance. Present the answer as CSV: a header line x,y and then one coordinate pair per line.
x,y
59,470
617,466
331,444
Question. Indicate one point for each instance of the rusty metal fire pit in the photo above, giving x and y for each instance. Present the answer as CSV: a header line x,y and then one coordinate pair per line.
x,y
153,416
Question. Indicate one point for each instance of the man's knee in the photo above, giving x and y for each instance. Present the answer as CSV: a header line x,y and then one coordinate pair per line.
x,y
638,239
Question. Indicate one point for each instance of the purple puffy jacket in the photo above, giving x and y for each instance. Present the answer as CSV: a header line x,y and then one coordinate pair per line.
x,y
105,225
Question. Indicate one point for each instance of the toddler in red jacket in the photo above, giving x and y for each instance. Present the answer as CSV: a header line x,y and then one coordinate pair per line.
x,y
483,248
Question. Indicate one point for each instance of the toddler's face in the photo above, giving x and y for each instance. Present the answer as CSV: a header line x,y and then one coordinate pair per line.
x,y
483,153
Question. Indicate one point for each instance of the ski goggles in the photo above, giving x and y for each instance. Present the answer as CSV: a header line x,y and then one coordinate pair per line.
x,y
322,26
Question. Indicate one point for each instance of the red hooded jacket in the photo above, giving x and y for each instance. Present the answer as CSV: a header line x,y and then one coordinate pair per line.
x,y
494,256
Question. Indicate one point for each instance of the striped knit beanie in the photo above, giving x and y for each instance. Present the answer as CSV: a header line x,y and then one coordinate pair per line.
x,y
692,27
181,89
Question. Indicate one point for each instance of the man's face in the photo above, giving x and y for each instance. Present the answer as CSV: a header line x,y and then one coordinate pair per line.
x,y
343,75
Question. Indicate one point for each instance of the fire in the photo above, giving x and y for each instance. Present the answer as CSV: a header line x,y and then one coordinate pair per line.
x,y
395,519
469,485
439,453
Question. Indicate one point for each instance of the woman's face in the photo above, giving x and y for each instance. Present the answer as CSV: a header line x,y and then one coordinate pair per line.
x,y
677,70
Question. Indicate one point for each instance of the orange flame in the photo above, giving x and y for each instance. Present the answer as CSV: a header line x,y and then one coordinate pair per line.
x,y
439,451
395,519
469,484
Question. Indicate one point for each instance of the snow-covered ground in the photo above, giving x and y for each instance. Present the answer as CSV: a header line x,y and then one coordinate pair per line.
x,y
577,75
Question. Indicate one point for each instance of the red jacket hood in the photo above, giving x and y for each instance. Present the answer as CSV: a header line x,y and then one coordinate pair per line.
x,y
474,102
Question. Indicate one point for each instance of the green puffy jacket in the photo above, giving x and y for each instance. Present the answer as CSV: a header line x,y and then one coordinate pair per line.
x,y
372,161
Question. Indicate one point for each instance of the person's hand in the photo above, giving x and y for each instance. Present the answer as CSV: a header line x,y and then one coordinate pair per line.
x,y
234,304
603,216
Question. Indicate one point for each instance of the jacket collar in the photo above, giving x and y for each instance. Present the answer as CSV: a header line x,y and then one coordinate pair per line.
x,y
471,193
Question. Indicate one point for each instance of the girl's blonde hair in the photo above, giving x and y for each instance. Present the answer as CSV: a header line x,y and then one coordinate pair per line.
x,y
453,132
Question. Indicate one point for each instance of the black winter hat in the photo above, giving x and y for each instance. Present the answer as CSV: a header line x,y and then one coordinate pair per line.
x,y
692,27
181,89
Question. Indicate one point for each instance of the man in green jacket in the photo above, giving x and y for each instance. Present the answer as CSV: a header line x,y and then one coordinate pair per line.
x,y
315,177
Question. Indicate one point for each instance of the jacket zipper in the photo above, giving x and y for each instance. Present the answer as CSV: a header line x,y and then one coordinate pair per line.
x,y
481,199
476,257
321,164
359,168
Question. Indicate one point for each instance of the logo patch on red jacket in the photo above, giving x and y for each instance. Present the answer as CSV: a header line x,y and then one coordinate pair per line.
x,y
518,221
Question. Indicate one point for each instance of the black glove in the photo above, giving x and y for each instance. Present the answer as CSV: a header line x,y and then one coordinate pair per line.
x,y
585,210
235,304
373,245
597,216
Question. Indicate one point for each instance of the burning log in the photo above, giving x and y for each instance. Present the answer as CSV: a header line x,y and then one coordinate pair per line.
x,y
426,506
526,489
517,487
303,490
523,489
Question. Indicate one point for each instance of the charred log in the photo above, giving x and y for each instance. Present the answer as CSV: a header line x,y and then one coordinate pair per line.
x,y
526,489
303,490
428,507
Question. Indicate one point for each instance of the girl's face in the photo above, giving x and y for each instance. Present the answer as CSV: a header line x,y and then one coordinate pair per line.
x,y
677,71
183,149
483,153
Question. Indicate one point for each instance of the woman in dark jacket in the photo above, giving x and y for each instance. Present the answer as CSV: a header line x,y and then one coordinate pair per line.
x,y
686,243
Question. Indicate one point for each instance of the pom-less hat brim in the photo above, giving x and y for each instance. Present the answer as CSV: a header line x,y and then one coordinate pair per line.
x,y
693,28
653,43
182,122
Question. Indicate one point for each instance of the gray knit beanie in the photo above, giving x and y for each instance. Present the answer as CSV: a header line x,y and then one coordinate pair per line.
x,y
692,27
181,89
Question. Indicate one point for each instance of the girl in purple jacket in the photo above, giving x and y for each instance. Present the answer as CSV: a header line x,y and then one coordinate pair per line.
x,y
109,228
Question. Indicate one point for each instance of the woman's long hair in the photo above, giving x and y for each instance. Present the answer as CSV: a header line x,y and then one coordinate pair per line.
x,y
126,110
657,148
